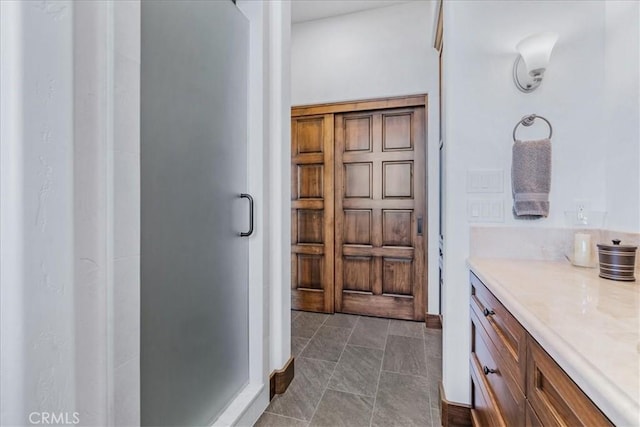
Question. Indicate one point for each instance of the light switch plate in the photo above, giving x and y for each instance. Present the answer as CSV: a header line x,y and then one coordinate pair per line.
x,y
485,181
485,210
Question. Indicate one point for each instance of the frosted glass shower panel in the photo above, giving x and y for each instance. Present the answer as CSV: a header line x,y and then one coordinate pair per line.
x,y
195,336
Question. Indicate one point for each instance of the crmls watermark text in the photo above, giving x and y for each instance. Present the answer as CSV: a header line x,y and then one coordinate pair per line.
x,y
54,418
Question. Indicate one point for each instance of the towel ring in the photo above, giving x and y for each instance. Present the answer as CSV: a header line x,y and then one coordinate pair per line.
x,y
528,121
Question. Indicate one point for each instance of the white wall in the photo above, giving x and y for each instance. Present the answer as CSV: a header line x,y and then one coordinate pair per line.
x,y
37,263
376,53
369,54
70,252
107,221
279,181
482,106
124,302
92,354
622,114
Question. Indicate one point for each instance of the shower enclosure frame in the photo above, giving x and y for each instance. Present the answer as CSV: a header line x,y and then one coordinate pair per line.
x,y
101,40
249,403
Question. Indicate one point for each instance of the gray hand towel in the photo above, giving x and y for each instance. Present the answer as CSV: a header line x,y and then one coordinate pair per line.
x,y
531,178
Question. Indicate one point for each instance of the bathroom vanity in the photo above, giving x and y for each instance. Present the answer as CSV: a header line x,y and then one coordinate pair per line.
x,y
552,344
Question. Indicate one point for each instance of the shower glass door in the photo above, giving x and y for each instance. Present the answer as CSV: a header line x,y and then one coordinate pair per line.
x,y
194,264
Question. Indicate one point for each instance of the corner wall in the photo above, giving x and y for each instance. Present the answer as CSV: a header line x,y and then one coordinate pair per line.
x,y
622,114
279,176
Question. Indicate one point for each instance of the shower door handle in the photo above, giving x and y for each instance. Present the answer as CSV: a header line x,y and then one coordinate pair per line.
x,y
250,232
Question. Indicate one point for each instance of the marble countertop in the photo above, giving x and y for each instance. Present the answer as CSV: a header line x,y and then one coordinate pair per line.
x,y
589,325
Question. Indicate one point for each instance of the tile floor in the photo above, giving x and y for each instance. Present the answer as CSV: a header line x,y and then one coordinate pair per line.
x,y
359,371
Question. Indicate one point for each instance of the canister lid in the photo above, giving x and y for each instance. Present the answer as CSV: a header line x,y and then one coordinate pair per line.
x,y
616,246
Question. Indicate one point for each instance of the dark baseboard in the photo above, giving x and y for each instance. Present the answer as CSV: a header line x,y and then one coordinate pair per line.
x,y
433,321
453,414
280,379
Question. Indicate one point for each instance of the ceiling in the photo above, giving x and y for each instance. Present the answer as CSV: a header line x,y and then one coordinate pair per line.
x,y
309,10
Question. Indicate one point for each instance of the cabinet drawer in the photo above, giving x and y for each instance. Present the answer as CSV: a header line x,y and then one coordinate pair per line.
x,y
504,331
509,398
484,410
555,398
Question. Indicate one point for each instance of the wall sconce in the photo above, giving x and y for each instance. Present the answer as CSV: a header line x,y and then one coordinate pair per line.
x,y
535,51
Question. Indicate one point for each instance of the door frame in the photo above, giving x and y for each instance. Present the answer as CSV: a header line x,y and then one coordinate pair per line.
x,y
264,28
380,104
364,105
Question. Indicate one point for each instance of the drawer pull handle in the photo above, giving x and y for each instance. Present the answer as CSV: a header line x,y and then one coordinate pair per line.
x,y
488,312
488,371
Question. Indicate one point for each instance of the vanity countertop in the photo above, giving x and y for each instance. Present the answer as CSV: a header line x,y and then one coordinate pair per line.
x,y
589,325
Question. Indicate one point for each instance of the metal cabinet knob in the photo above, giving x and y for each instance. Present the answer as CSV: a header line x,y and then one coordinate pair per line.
x,y
488,312
488,371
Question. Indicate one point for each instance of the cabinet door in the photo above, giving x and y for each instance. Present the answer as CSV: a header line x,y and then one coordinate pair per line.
x,y
194,302
555,398
312,212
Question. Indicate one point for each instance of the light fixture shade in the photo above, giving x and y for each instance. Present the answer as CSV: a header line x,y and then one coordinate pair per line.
x,y
536,51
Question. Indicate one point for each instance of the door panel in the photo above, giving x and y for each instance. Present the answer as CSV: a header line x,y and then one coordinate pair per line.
x,y
312,249
194,311
380,183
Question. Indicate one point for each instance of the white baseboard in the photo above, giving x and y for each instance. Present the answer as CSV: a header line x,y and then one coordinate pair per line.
x,y
246,408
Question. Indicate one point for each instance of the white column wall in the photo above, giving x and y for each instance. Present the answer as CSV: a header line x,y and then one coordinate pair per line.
x,y
123,175
279,176
69,225
12,364
37,243
92,271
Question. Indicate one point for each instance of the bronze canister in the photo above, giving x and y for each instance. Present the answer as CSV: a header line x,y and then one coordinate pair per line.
x,y
617,262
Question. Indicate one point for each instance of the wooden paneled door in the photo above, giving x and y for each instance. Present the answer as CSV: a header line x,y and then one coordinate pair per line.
x,y
362,164
380,229
312,212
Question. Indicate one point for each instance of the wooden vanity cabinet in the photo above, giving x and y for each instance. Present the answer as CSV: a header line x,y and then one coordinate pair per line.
x,y
488,366
514,381
502,329
554,397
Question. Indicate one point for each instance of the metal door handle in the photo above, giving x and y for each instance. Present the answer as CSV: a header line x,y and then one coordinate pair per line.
x,y
420,225
250,232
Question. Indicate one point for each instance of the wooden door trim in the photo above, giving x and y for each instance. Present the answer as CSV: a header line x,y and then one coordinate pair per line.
x,y
420,198
437,40
329,212
353,106
338,219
